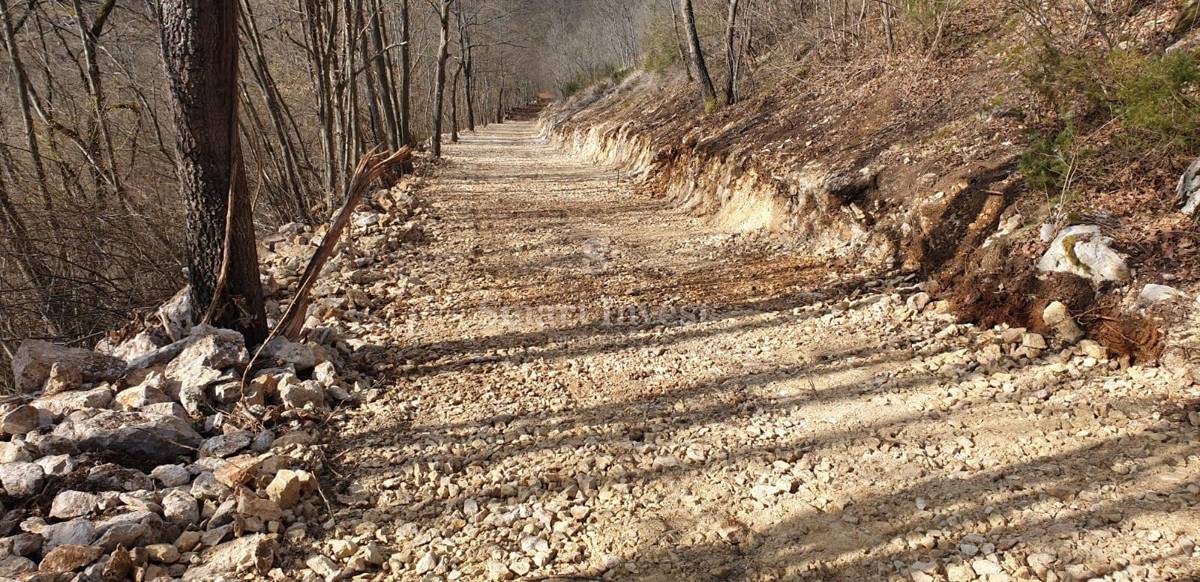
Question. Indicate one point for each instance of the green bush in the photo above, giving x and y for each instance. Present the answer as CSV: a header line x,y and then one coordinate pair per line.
x,y
1155,97
1048,164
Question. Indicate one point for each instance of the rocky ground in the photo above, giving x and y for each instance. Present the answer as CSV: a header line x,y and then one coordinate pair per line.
x,y
524,370
579,382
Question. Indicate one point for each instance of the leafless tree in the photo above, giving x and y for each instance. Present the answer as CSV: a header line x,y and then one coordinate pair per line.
x,y
697,52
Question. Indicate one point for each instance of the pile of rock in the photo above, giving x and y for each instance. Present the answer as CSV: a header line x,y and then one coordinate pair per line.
x,y
172,453
146,458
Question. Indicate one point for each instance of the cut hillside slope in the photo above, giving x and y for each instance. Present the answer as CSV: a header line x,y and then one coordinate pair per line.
x,y
913,163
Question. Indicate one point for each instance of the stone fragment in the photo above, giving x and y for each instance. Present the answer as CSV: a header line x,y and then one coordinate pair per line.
x,y
171,475
254,554
63,378
226,444
237,470
147,437
71,504
68,558
78,532
180,507
295,393
57,465
21,420
1058,317
323,567
13,567
68,402
139,397
282,353
285,488
163,553
16,452
22,479
1083,251
34,359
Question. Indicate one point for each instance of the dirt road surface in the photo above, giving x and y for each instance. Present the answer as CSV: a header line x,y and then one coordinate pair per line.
x,y
580,381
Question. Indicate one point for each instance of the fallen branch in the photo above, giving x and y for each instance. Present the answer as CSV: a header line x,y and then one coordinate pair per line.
x,y
370,168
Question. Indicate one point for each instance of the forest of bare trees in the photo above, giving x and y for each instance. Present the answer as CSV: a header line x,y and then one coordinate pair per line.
x,y
91,215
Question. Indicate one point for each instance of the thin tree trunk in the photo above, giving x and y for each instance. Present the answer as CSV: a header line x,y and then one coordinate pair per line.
x,y
386,103
731,54
200,53
279,111
687,63
454,104
706,85
465,53
405,76
88,35
439,81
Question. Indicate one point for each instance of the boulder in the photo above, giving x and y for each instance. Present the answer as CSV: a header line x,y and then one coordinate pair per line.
x,y
79,532
141,437
22,479
253,554
69,558
1083,251
34,360
68,402
21,420
208,347
226,444
71,504
1188,189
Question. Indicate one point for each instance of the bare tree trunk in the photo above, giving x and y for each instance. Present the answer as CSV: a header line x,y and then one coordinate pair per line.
x,y
386,104
731,54
439,81
279,111
200,53
31,142
466,51
88,35
406,75
454,104
689,23
687,63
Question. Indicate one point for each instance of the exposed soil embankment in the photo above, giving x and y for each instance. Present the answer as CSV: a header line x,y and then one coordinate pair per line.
x,y
912,167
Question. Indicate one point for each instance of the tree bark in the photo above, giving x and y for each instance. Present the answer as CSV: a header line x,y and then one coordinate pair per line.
x,y
731,54
405,76
440,77
200,53
689,23
454,104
